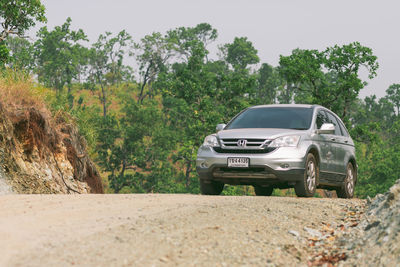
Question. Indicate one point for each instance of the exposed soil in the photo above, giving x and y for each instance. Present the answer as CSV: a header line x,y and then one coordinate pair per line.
x,y
184,230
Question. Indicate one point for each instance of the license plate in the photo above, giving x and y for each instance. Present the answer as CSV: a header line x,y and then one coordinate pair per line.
x,y
238,162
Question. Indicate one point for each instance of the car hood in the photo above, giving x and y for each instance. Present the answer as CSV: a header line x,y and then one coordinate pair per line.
x,y
258,133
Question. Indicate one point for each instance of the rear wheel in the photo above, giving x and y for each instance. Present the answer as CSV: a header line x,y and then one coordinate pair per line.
x,y
306,187
263,191
347,188
208,187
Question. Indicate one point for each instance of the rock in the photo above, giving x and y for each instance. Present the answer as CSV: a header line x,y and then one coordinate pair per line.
x,y
294,233
313,232
372,225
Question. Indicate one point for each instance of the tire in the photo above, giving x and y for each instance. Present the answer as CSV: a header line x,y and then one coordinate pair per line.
x,y
307,186
208,187
347,188
263,191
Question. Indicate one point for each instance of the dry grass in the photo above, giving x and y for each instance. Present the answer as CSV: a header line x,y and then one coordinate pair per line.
x,y
17,91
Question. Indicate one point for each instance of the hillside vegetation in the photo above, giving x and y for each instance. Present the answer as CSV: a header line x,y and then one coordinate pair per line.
x,y
144,121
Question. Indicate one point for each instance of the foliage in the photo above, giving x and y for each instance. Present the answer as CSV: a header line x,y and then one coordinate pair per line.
x,y
105,65
16,17
330,77
145,131
19,15
241,53
21,54
59,55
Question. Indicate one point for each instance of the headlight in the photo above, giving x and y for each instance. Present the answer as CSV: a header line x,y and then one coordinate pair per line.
x,y
290,140
211,141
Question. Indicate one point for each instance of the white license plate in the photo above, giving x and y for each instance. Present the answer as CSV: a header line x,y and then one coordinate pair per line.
x,y
238,162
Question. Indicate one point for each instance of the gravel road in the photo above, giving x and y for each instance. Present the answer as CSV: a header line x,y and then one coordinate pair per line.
x,y
170,230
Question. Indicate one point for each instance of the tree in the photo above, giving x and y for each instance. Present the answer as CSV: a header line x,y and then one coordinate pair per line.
x,y
393,95
106,62
21,54
183,40
241,53
269,82
17,16
153,53
60,55
331,77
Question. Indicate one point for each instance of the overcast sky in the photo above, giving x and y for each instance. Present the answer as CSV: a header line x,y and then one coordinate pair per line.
x,y
275,27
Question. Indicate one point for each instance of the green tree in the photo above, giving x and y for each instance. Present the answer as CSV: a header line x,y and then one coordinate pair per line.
x,y
106,63
16,17
331,77
153,53
393,95
21,54
269,83
241,53
60,55
184,40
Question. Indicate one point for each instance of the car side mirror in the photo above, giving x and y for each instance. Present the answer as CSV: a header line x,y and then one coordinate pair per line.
x,y
326,128
220,127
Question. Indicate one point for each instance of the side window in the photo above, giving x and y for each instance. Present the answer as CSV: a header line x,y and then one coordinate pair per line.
x,y
332,119
321,118
343,128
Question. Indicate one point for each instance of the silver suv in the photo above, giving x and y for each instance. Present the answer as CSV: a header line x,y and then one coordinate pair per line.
x,y
280,146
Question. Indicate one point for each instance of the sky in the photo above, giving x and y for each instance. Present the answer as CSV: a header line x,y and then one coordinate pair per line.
x,y
275,27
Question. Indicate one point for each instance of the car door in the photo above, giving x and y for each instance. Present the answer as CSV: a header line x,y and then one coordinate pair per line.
x,y
338,141
345,143
327,150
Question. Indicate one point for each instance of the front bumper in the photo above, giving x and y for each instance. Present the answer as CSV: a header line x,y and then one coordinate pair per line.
x,y
285,164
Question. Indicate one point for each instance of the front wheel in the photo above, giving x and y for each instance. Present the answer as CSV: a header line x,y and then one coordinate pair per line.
x,y
347,188
208,187
307,185
263,191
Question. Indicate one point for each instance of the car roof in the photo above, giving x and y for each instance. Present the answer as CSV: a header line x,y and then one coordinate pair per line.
x,y
287,106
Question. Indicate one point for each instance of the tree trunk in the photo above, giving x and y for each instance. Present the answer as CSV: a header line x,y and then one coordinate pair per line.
x,y
188,170
103,100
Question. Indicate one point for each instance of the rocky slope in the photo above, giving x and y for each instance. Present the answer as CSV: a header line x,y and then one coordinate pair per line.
x,y
376,240
40,153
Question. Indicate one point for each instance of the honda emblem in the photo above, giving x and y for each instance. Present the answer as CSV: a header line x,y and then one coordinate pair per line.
x,y
242,142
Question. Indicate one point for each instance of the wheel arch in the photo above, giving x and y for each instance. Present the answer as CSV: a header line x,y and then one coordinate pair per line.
x,y
353,161
315,152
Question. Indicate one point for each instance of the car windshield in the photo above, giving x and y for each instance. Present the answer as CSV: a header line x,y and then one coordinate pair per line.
x,y
273,117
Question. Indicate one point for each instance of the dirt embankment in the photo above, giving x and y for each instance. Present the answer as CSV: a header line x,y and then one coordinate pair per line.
x,y
40,153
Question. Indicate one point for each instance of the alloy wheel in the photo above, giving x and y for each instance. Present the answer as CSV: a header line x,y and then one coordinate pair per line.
x,y
311,176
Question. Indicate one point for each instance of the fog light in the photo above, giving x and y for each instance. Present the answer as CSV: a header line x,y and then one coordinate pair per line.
x,y
284,165
204,165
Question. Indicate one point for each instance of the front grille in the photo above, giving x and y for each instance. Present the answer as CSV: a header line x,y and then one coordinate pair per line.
x,y
250,143
244,151
252,172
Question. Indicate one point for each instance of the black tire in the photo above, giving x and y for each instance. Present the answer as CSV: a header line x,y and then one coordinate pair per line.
x,y
347,188
263,191
306,187
208,187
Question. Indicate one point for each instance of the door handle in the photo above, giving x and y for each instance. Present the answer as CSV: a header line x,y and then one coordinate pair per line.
x,y
333,139
346,141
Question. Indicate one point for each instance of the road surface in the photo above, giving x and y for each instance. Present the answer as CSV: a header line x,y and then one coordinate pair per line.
x,y
161,230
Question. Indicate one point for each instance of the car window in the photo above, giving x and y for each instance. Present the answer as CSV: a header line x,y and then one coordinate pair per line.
x,y
343,128
321,118
332,119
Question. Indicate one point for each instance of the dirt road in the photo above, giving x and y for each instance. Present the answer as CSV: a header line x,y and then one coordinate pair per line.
x,y
187,230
